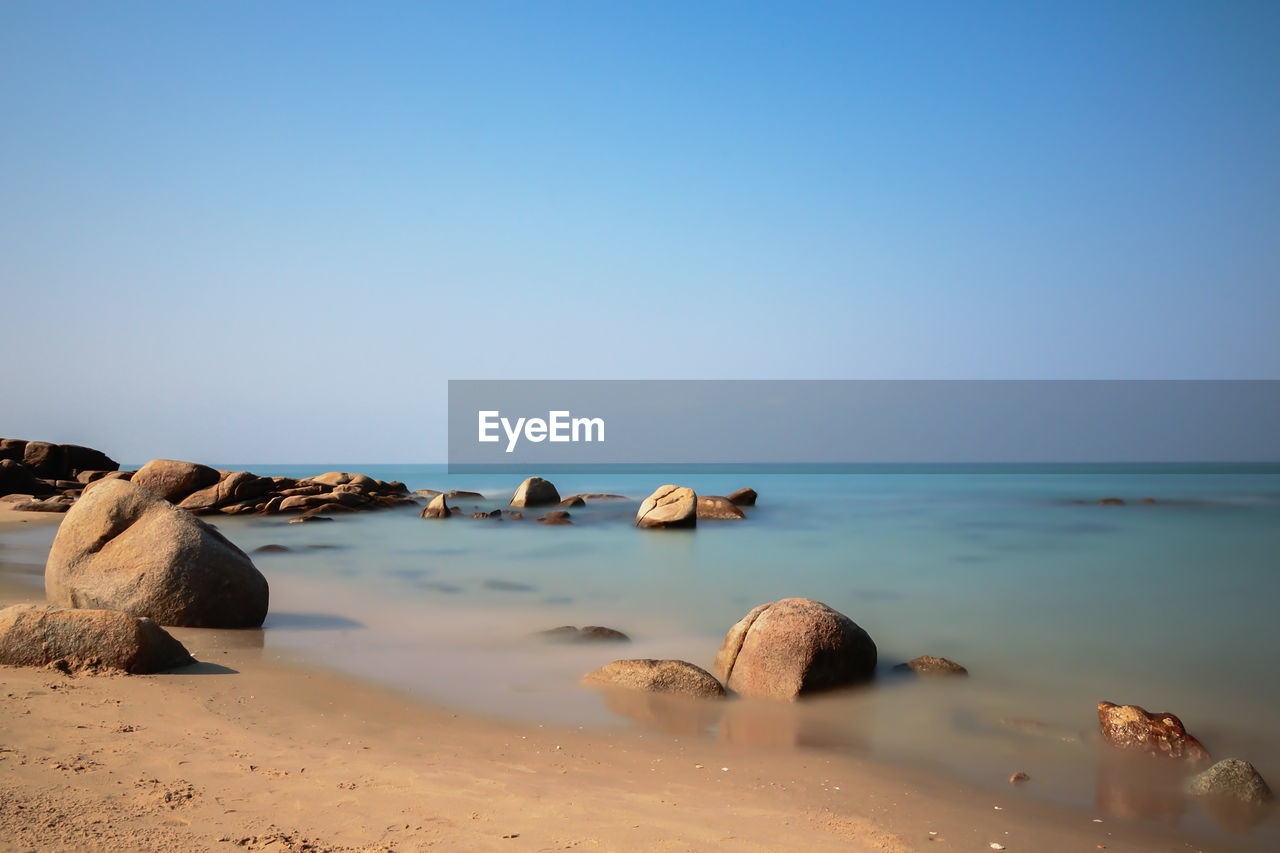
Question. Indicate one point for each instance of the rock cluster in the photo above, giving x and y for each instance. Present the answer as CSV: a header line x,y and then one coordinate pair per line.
x,y
203,490
55,472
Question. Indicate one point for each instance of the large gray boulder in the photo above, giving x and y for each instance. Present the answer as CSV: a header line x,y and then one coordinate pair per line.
x,y
792,647
173,479
121,547
535,491
669,506
86,639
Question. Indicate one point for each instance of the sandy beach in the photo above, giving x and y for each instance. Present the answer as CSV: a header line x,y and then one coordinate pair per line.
x,y
249,749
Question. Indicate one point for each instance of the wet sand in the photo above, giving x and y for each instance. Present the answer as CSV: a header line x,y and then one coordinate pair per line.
x,y
251,750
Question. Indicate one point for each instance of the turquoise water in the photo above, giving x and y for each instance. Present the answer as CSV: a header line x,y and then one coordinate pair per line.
x,y
1052,604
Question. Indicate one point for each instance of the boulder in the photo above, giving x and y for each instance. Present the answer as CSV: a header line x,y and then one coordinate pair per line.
x,y
86,639
793,647
121,547
12,449
436,509
173,479
1231,779
17,479
657,676
669,506
716,507
556,516
743,497
535,491
573,501
1133,728
231,487
87,459
929,665
45,460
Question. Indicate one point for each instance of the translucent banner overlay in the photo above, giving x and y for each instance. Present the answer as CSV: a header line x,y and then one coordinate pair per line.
x,y
819,426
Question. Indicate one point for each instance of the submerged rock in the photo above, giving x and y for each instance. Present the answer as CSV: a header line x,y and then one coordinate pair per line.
x,y
121,547
587,634
657,676
556,516
744,497
669,506
717,507
792,647
535,491
86,639
1231,778
929,665
1133,728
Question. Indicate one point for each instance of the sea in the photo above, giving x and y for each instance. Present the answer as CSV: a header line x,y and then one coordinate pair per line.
x,y
1052,600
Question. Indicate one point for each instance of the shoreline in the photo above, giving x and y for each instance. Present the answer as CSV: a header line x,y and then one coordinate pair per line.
x,y
271,753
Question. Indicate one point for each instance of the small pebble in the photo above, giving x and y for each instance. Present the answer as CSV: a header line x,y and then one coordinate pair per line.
x,y
996,846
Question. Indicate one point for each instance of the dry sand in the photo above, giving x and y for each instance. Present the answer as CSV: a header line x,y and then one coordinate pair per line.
x,y
248,751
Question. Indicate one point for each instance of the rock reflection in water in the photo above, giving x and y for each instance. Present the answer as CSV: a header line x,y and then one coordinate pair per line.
x,y
680,715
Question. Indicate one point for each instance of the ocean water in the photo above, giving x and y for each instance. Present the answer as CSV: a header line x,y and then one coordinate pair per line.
x,y
1052,601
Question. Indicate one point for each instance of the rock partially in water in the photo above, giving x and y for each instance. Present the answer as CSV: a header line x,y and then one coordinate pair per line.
x,y
1133,728
669,507
717,507
121,547
86,639
535,491
271,549
930,665
556,516
438,508
792,647
744,497
587,634
657,676
1233,779
1111,502
573,500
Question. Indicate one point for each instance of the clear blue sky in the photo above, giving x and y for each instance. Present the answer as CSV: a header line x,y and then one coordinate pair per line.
x,y
270,232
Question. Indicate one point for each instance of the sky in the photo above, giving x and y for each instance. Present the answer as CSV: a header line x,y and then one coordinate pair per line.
x,y
272,232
